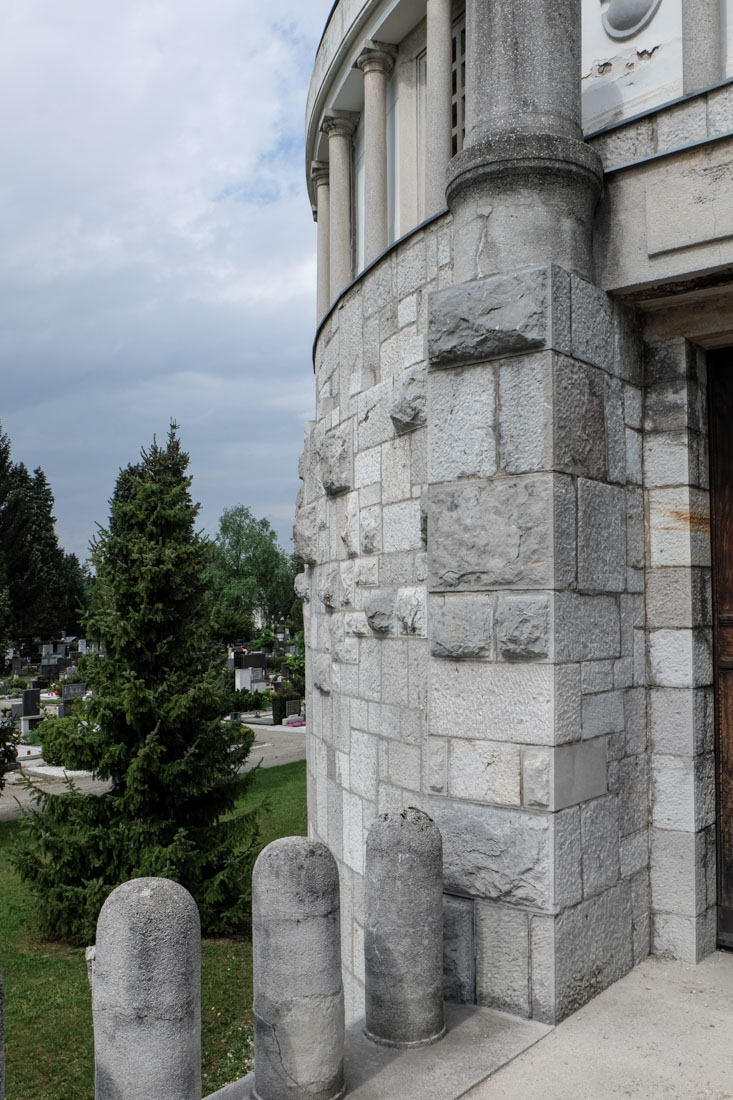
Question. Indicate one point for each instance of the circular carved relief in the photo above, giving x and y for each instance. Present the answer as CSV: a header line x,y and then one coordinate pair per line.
x,y
625,18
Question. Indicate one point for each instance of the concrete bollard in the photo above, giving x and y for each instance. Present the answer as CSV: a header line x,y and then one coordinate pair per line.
x,y
403,937
298,993
2,1039
146,994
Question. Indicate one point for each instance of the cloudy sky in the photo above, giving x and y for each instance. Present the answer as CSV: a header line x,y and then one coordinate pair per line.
x,y
157,250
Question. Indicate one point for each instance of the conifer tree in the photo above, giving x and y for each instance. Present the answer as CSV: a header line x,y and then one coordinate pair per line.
x,y
154,726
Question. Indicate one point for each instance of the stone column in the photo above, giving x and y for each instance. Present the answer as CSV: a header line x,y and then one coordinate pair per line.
x,y
524,144
375,61
319,175
702,44
439,98
146,994
403,937
298,995
340,126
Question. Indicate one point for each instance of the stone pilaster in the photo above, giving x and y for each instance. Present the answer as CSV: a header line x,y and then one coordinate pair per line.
x,y
702,44
339,127
376,62
524,188
439,69
319,175
679,624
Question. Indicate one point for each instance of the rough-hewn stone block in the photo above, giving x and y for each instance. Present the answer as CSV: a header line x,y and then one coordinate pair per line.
x,y
459,964
488,318
593,947
601,537
523,627
502,957
526,414
586,627
460,626
600,839
461,440
503,702
484,771
603,713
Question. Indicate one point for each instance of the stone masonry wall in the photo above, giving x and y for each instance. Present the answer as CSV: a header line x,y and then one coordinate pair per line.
x,y
361,530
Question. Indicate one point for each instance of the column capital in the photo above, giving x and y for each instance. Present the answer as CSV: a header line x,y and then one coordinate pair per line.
x,y
376,57
319,172
340,123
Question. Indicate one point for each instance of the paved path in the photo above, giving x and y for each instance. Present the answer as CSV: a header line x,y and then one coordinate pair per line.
x,y
273,745
664,1032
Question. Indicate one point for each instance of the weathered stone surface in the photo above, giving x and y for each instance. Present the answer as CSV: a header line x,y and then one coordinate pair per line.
x,y
298,996
321,666
593,944
491,534
502,957
580,419
526,413
379,608
498,702
460,626
489,318
495,853
410,611
523,627
678,871
403,932
594,337
580,772
146,993
568,858
305,533
600,839
409,399
484,771
586,627
601,537
459,966
603,713
537,776
461,439
302,585
335,460
331,591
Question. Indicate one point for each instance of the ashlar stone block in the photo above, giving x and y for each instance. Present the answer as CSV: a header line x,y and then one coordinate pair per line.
x,y
502,957
484,771
523,627
459,965
500,533
461,438
460,626
601,537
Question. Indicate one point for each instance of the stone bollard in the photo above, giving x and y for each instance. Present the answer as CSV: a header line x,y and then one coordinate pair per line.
x,y
146,994
298,993
2,1040
403,937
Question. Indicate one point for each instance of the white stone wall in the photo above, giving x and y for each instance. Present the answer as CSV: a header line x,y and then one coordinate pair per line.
x,y
361,529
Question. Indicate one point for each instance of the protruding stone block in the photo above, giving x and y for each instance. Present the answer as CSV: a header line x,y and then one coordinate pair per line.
x,y
403,945
298,995
146,994
407,407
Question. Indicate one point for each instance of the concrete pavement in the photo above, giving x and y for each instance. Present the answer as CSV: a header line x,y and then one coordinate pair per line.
x,y
664,1032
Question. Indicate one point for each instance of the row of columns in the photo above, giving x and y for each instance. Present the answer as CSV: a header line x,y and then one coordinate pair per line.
x,y
332,179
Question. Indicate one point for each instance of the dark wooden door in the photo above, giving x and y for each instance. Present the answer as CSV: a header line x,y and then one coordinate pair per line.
x,y
720,387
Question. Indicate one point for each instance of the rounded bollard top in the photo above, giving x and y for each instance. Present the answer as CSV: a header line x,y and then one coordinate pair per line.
x,y
406,830
295,875
148,899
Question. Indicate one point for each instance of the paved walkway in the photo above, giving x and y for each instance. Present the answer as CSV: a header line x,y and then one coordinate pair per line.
x,y
664,1032
273,745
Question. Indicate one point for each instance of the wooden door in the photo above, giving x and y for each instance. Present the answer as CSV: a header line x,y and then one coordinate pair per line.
x,y
720,389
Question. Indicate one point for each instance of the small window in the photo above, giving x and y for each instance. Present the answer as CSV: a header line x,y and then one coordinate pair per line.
x,y
458,108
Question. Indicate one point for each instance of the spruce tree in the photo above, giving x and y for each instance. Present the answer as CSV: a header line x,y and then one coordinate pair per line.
x,y
153,726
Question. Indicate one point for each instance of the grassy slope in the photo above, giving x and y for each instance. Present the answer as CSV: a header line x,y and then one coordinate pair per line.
x,y
47,1003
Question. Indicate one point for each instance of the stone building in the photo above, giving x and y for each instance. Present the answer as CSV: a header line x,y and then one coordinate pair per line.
x,y
525,290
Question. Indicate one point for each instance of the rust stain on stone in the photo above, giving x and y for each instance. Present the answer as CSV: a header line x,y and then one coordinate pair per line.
x,y
698,522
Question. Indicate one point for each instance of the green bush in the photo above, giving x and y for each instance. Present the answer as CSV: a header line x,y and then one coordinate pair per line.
x,y
16,684
66,743
278,707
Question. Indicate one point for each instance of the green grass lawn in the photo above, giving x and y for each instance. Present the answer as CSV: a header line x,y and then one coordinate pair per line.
x,y
48,1017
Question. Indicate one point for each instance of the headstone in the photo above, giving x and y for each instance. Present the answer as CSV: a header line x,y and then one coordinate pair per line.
x,y
403,934
73,691
16,665
146,994
49,670
292,706
298,994
31,702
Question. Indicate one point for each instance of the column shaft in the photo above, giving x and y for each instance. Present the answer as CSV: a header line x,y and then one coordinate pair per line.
x,y
339,128
319,174
702,44
439,98
376,62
